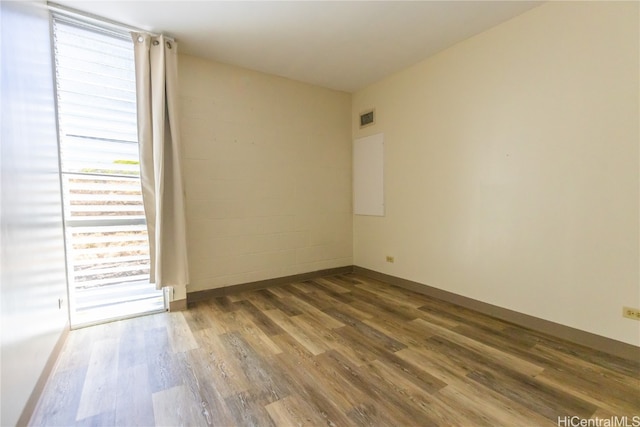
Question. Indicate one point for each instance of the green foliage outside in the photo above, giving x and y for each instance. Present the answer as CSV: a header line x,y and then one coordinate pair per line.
x,y
115,171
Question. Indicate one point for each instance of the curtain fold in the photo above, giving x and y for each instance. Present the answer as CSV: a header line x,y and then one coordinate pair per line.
x,y
156,63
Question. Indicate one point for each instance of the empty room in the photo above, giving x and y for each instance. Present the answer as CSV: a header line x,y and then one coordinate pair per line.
x,y
339,213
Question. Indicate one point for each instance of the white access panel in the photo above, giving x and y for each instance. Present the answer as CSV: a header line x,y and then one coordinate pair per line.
x,y
368,175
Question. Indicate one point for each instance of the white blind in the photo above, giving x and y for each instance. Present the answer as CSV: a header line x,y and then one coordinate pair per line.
x,y
96,100
106,233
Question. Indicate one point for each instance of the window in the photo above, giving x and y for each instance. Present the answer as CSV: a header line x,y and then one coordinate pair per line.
x,y
107,246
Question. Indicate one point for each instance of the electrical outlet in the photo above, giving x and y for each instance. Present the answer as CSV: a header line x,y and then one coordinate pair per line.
x,y
390,259
631,313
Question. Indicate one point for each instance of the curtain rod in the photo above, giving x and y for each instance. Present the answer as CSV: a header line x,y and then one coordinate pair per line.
x,y
63,10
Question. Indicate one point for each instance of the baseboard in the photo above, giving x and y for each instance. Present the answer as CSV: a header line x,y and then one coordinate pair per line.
x,y
262,284
577,336
32,402
178,305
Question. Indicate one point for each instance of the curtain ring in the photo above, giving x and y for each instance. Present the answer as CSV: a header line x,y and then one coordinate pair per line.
x,y
140,39
169,45
156,42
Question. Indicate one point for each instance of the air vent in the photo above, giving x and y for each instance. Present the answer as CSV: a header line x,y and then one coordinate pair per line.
x,y
367,118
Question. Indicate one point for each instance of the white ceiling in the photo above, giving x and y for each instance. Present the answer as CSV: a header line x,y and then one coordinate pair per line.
x,y
344,45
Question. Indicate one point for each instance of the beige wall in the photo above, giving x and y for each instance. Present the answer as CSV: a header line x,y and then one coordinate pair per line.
x,y
512,168
267,174
32,262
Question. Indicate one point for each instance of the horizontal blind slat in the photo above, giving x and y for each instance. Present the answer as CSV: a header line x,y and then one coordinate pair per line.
x,y
109,250
110,271
116,260
110,280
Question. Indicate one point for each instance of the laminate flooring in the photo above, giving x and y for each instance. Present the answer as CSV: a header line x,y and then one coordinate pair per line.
x,y
343,350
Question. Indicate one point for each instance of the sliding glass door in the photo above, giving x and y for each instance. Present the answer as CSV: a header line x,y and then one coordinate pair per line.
x,y
106,236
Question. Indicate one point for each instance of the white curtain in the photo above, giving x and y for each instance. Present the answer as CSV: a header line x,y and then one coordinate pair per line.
x,y
156,60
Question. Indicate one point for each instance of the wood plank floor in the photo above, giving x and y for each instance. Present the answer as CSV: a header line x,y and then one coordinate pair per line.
x,y
339,351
